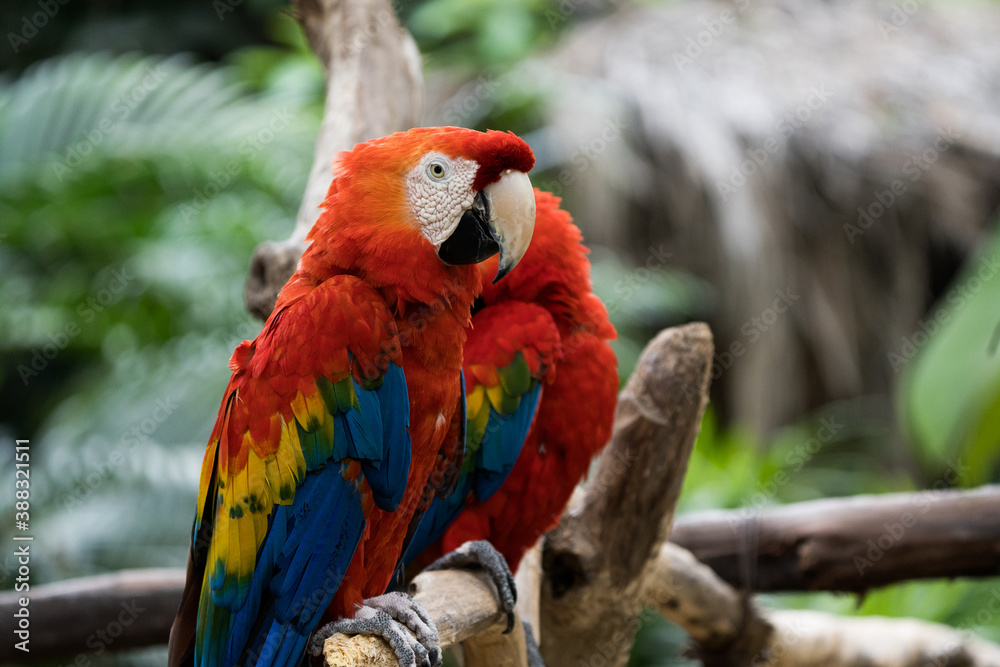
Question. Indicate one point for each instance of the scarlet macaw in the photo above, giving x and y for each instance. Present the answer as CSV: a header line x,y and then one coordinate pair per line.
x,y
539,331
337,413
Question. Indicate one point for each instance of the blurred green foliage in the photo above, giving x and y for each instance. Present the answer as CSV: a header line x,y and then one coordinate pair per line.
x,y
133,190
477,34
951,402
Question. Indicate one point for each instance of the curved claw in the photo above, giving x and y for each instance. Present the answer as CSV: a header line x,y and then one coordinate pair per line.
x,y
484,555
404,609
390,616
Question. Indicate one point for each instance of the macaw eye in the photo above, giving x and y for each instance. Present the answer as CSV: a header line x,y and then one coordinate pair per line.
x,y
437,170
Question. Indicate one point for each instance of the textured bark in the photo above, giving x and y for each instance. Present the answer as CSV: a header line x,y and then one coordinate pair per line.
x,y
722,623
851,544
528,579
595,559
133,608
686,590
374,87
729,630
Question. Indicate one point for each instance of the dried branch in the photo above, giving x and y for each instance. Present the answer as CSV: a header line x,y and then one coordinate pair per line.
x,y
967,536
464,606
126,609
528,579
729,630
851,544
594,561
719,619
374,87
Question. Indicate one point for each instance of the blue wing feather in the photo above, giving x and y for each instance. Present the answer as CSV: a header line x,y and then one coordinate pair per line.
x,y
501,445
300,565
364,426
310,543
387,477
502,442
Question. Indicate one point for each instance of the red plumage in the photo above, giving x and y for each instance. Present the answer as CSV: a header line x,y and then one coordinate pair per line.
x,y
576,410
432,303
370,294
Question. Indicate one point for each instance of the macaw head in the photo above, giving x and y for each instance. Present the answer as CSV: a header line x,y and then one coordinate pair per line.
x,y
422,206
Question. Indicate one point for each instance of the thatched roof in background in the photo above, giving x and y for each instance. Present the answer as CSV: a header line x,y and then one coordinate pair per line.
x,y
824,107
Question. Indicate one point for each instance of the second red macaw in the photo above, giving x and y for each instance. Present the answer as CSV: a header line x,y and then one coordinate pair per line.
x,y
538,353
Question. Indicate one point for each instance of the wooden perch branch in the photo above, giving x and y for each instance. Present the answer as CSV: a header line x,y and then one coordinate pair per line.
x,y
374,87
59,630
126,609
728,629
464,606
851,544
608,558
594,561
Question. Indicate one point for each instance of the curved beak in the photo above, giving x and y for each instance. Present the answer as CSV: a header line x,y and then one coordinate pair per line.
x,y
502,219
512,217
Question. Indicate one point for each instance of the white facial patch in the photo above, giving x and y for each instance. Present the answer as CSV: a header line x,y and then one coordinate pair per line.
x,y
439,190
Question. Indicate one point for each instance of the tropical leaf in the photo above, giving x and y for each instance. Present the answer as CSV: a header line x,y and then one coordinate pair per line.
x,y
122,285
951,396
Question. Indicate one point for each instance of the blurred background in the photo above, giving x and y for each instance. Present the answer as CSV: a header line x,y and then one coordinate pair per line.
x,y
817,179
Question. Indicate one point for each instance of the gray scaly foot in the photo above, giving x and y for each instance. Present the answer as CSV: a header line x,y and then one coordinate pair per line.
x,y
389,616
483,554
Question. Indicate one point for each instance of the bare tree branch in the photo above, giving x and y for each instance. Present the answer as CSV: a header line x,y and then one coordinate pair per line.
x,y
851,544
729,630
719,620
967,535
374,87
127,609
595,559
528,579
